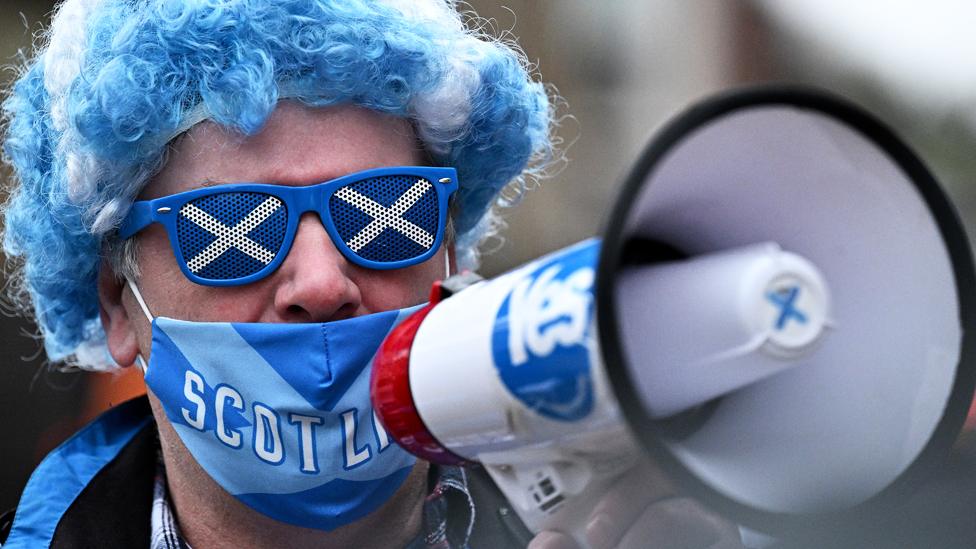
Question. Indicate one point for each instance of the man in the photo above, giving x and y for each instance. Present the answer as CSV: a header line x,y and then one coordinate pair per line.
x,y
200,180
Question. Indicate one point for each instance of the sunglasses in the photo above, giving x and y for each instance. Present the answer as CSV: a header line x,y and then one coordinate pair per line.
x,y
227,235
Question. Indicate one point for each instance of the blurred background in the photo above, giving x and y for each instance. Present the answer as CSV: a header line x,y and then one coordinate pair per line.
x,y
623,68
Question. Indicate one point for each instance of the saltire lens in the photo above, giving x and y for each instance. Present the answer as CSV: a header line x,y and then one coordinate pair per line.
x,y
231,235
386,219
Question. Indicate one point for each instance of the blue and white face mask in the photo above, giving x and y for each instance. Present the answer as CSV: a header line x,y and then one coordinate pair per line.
x,y
279,414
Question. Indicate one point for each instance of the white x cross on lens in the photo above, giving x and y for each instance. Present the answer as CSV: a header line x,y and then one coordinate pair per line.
x,y
230,237
384,217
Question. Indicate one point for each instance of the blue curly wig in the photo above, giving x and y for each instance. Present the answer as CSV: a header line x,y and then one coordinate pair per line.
x,y
114,81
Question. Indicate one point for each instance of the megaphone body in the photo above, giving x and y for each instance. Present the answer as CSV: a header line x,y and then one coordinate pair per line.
x,y
775,313
519,391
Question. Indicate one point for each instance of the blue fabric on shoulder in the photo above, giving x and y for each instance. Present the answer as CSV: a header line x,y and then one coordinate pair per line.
x,y
67,470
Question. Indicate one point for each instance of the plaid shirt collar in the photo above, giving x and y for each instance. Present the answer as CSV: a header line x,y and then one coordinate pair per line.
x,y
447,524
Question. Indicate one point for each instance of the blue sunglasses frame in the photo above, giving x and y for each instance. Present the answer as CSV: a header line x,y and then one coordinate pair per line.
x,y
298,201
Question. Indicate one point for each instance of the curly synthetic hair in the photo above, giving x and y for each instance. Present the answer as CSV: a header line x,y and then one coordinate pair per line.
x,y
112,82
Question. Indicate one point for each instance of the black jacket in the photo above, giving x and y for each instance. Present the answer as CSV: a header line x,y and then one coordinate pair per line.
x,y
96,490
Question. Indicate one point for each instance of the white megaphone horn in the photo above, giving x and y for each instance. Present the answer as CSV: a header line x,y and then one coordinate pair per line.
x,y
780,312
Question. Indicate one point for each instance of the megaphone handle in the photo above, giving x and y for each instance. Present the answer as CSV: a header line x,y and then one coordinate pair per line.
x,y
558,495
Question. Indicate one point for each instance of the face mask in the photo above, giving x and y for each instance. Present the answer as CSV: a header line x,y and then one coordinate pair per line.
x,y
279,415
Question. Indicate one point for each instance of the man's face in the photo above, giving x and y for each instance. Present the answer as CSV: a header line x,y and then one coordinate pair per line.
x,y
315,283
299,146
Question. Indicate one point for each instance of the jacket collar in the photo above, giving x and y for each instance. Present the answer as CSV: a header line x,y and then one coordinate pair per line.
x,y
93,485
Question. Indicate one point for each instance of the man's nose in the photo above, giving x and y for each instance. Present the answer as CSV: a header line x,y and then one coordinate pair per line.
x,y
314,280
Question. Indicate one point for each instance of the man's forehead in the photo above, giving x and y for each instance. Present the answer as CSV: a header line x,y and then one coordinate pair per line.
x,y
298,145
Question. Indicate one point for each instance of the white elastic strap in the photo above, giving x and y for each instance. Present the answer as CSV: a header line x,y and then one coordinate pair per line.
x,y
447,265
138,296
141,362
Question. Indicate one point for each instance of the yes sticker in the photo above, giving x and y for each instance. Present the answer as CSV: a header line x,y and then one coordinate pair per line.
x,y
540,343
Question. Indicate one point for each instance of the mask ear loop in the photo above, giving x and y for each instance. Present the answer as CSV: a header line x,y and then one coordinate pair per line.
x,y
145,309
447,264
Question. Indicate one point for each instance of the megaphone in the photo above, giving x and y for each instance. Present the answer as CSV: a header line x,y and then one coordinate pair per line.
x,y
780,312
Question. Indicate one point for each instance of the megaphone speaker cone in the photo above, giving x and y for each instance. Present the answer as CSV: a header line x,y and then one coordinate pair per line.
x,y
868,366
